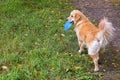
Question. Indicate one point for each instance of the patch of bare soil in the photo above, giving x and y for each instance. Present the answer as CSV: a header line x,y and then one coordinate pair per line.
x,y
96,10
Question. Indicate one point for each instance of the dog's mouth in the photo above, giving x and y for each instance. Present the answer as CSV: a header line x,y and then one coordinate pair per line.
x,y
70,21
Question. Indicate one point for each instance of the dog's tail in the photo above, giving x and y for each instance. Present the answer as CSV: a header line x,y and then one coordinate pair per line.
x,y
106,32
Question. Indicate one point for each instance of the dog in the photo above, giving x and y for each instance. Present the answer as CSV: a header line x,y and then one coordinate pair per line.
x,y
94,38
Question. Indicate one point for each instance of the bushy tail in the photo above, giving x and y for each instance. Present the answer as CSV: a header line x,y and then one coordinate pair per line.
x,y
106,33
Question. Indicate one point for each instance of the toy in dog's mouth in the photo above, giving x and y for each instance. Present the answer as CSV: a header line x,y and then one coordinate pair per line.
x,y
68,25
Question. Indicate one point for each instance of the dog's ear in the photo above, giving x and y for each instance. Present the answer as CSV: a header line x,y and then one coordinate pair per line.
x,y
77,17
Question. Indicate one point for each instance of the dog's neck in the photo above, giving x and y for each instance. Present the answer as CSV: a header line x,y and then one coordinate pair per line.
x,y
80,22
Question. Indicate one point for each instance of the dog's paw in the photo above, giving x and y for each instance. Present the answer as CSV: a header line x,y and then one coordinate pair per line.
x,y
96,70
80,51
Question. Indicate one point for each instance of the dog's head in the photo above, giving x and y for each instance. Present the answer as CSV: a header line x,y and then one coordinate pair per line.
x,y
75,16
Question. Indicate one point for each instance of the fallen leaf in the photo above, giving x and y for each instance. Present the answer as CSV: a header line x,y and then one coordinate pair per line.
x,y
4,68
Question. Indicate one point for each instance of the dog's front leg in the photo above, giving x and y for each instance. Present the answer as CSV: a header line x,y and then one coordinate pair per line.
x,y
81,44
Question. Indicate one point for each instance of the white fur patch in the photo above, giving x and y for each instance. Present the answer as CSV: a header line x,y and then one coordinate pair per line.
x,y
94,47
77,30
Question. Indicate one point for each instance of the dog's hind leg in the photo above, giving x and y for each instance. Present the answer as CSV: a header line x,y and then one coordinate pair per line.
x,y
93,51
95,60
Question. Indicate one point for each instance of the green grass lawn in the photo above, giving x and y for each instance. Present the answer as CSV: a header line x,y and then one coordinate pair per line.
x,y
34,46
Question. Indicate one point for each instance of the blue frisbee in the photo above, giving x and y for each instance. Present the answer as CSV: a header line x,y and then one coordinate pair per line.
x,y
68,25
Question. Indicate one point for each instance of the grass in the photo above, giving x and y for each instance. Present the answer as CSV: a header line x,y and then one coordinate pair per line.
x,y
34,46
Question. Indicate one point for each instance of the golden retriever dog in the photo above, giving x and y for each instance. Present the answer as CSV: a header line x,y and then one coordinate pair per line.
x,y
94,38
